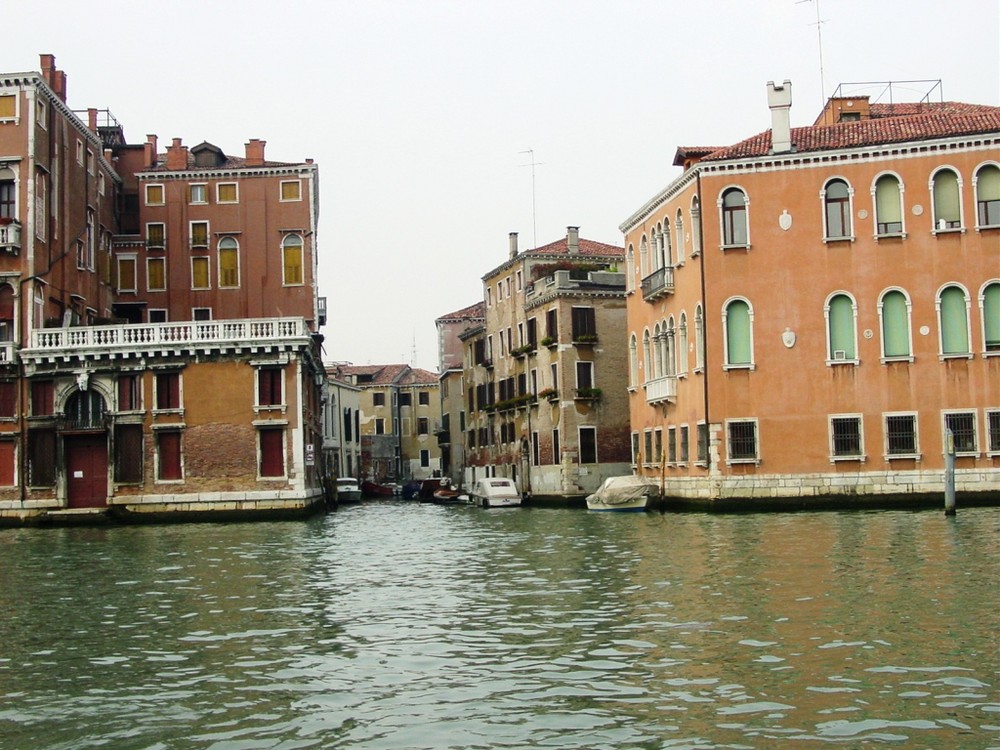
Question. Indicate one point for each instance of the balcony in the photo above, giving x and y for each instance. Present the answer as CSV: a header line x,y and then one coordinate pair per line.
x,y
10,236
187,337
661,390
658,284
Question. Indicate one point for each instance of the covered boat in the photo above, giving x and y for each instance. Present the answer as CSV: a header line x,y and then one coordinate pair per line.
x,y
621,494
348,490
495,492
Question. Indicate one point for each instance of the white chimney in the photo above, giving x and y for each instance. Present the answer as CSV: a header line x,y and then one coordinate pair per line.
x,y
573,239
779,99
513,245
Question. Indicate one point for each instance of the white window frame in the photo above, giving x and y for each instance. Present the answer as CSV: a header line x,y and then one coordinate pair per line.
x,y
157,259
902,206
992,448
881,327
218,263
975,192
915,455
945,413
163,192
961,204
831,355
850,237
752,364
722,217
940,327
163,234
755,460
218,200
982,317
834,456
204,192
134,259
208,273
579,437
281,191
208,234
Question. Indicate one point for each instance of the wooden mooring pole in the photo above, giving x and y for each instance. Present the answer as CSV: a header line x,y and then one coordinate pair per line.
x,y
949,473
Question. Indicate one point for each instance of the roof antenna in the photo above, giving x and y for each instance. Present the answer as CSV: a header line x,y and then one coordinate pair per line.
x,y
819,35
533,164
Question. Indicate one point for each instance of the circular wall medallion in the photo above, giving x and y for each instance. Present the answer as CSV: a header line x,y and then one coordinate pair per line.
x,y
924,330
869,333
863,213
917,209
785,220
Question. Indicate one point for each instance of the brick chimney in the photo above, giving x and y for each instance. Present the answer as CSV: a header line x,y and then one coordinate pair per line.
x,y
779,99
177,155
54,79
149,151
573,240
255,152
512,239
92,119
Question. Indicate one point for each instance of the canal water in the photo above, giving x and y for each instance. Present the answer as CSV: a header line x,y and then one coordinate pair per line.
x,y
405,625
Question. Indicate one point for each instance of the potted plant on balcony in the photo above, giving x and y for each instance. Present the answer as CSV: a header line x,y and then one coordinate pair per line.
x,y
548,341
585,338
587,394
550,393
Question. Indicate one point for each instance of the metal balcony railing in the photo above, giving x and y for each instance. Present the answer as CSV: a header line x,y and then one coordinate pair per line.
x,y
658,284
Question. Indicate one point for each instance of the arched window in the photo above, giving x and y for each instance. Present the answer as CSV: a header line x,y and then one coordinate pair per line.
x,y
643,258
737,324
679,230
837,208
894,309
633,362
668,243
946,200
659,260
991,316
670,351
656,370
841,329
953,321
695,226
988,196
888,206
8,193
734,218
646,358
630,269
229,262
291,250
699,337
85,409
682,346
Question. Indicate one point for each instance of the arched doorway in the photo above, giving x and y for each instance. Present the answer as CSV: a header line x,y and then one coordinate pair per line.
x,y
85,446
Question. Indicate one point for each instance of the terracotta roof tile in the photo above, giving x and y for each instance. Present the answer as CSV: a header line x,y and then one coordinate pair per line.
x,y
472,312
587,247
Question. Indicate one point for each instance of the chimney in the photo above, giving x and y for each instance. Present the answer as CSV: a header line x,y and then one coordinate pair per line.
x,y
177,155
779,99
255,152
92,119
54,79
512,238
573,240
149,152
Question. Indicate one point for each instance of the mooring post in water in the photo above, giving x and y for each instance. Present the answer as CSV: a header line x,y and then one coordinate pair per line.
x,y
949,473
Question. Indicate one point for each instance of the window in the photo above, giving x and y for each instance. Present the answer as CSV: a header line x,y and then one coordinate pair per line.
x,y
552,324
702,455
199,193
991,317
425,458
946,200
737,325
584,324
157,315
894,310
699,338
8,107
378,399
635,448
734,218
42,398
405,398
679,231
993,431
630,269
126,273
128,453
6,312
963,431
201,313
156,236
588,445
423,398
379,426
648,456
532,333
41,449
229,263
156,274
695,226
168,456
988,196
837,208
226,192
200,273
742,439
8,194
556,447
633,362
8,454
423,426
168,390
129,392
671,445
841,329
888,206
845,437
291,190
269,386
683,436
682,347
199,234
8,398
584,376
154,195
272,451
41,204
901,435
291,249
953,321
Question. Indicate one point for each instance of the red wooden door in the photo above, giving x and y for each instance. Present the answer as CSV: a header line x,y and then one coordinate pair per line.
x,y
86,470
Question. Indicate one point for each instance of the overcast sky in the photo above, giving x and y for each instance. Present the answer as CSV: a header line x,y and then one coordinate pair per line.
x,y
419,113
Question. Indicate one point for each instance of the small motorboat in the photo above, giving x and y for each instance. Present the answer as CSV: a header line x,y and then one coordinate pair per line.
x,y
628,493
348,490
495,492
374,489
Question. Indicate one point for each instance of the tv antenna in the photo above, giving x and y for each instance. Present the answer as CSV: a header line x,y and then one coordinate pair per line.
x,y
533,164
819,35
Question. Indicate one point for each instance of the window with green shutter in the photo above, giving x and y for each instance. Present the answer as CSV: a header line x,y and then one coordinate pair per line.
x,y
947,209
991,317
895,325
738,348
841,322
988,196
954,322
888,206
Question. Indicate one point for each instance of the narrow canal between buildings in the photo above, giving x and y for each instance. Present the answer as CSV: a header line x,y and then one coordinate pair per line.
x,y
407,625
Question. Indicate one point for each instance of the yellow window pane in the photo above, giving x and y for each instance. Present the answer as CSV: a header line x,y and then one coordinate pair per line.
x,y
227,193
229,273
199,273
154,235
199,234
8,106
126,274
291,191
154,195
155,270
293,263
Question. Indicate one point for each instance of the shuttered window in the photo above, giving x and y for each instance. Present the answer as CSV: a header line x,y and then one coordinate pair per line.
x,y
291,248
988,196
128,454
229,262
738,350
269,386
842,328
947,211
199,273
41,458
168,450
272,452
156,274
7,453
954,322
991,315
888,205
895,325
838,210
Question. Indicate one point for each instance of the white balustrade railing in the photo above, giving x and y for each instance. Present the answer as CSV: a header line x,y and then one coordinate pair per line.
x,y
661,389
194,334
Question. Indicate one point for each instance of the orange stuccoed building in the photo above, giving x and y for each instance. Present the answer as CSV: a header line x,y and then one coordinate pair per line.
x,y
814,312
159,320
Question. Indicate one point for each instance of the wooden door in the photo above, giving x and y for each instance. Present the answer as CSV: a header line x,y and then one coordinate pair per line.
x,y
87,470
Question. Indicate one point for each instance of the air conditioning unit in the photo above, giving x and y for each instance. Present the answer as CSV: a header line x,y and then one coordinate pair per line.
x,y
840,354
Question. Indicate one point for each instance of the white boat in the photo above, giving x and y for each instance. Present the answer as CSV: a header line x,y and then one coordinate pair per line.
x,y
348,490
495,492
621,494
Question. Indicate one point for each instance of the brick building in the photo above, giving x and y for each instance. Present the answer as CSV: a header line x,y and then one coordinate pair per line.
x,y
812,309
146,368
451,435
546,373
